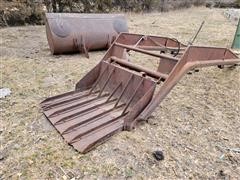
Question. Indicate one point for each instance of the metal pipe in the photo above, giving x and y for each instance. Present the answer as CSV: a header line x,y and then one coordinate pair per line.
x,y
158,48
145,52
138,68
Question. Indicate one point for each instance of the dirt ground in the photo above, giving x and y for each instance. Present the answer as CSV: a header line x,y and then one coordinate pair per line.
x,y
197,126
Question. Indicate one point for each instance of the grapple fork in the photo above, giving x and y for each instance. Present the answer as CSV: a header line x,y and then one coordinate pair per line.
x,y
85,117
116,93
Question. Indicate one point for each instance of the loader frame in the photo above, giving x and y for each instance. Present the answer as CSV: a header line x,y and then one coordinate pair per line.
x,y
117,93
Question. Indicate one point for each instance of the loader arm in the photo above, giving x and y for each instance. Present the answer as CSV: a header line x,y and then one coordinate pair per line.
x,y
194,57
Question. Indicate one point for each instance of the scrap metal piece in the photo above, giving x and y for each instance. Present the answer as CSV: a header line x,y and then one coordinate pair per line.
x,y
73,32
196,34
116,93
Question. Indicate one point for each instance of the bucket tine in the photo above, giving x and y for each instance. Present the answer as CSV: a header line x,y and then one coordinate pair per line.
x,y
106,82
114,91
98,80
133,95
124,89
71,128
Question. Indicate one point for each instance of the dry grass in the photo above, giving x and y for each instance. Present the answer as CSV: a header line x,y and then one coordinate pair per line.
x,y
193,125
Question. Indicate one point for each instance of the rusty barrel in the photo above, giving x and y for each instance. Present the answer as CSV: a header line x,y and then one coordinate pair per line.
x,y
75,32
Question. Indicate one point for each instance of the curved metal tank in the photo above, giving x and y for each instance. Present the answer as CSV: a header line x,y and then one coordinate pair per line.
x,y
73,32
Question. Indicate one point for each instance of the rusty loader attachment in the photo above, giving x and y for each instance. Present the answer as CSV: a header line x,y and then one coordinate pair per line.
x,y
117,93
73,32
